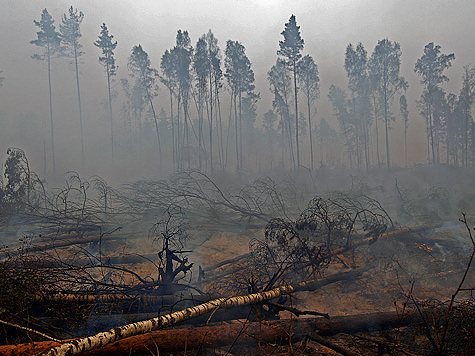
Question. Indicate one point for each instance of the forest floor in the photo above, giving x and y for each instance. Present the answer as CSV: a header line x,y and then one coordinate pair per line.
x,y
414,271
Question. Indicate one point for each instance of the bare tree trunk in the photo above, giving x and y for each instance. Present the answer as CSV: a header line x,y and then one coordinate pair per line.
x,y
79,103
221,140
296,115
51,112
179,150
310,130
211,123
186,139
200,125
236,132
229,128
240,129
110,111
386,126
282,130
158,133
366,145
376,117
431,130
173,130
405,145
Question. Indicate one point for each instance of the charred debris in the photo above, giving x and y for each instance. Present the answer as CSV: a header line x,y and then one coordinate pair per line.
x,y
245,266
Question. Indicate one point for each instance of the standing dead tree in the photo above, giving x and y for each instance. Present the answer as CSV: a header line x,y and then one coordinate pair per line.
x,y
173,265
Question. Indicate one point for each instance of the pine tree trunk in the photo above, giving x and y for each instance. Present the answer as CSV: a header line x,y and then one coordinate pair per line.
x,y
221,140
432,143
200,125
236,132
51,112
310,130
240,129
386,125
173,131
211,123
158,133
230,121
179,151
110,111
187,137
377,132
405,145
79,103
296,115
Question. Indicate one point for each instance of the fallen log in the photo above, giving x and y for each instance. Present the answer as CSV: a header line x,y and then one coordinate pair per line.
x,y
61,241
238,333
147,306
210,272
101,339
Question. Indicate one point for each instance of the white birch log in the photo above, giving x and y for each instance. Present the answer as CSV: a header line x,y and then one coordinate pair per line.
x,y
77,346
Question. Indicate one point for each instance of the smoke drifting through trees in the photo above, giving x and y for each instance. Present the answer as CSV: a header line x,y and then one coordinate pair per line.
x,y
189,130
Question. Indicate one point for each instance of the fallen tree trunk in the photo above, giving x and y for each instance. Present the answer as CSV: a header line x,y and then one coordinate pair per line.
x,y
62,241
237,333
101,339
146,307
210,272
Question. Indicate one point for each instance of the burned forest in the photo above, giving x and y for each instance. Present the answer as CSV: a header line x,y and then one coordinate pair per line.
x,y
299,180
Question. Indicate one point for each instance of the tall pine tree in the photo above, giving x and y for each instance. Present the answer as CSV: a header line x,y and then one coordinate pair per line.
x,y
431,67
385,64
145,76
71,33
50,41
405,120
240,78
290,50
107,47
310,81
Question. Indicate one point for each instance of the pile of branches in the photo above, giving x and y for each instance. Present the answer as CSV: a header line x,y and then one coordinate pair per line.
x,y
202,198
302,248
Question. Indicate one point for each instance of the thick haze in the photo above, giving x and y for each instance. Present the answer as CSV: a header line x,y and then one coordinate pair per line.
x,y
326,27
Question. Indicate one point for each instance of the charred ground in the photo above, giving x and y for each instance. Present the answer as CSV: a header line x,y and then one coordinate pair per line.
x,y
92,257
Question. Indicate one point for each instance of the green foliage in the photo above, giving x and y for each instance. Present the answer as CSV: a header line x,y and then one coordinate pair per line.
x,y
140,69
431,66
279,80
71,33
15,194
48,38
239,73
385,65
404,111
292,44
307,72
107,46
201,64
182,53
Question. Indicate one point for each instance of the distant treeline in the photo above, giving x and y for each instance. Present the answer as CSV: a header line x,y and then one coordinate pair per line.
x,y
197,131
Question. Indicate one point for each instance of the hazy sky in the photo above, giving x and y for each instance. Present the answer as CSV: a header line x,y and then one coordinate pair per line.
x,y
326,27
